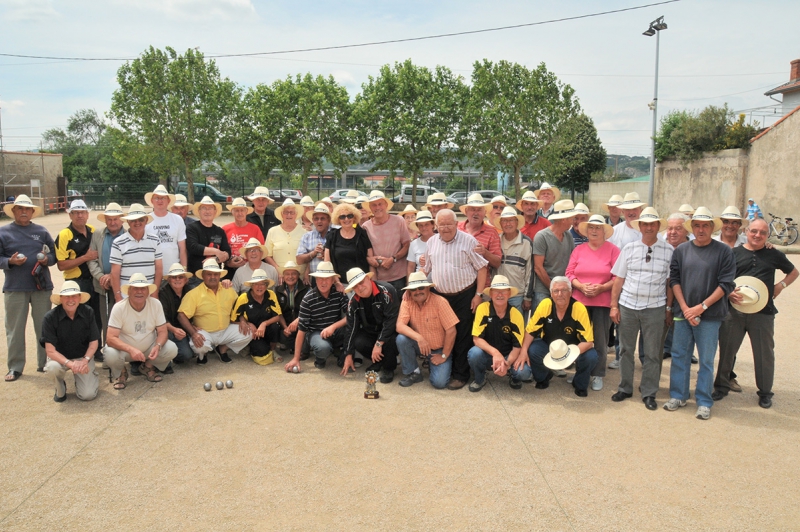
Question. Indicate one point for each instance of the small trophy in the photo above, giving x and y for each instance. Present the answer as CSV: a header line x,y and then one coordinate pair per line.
x,y
372,391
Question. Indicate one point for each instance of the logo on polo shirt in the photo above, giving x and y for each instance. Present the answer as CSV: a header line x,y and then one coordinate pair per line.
x,y
569,330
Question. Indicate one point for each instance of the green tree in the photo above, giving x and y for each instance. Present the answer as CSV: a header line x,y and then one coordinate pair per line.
x,y
573,155
512,115
171,110
407,117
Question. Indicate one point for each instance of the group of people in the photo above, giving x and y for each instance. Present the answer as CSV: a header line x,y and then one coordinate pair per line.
x,y
527,291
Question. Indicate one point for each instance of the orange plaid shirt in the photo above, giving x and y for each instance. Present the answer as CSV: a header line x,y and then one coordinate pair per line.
x,y
431,320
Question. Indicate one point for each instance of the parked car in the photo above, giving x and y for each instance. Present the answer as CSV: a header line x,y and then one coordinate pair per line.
x,y
203,189
337,195
284,194
457,198
487,196
405,195
73,194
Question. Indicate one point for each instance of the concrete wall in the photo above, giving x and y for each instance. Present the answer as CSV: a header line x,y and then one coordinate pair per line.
x,y
600,192
18,168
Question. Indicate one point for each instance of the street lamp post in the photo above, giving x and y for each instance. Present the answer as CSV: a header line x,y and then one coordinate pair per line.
x,y
655,29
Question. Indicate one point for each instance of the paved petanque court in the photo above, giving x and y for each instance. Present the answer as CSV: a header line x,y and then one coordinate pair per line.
x,y
307,452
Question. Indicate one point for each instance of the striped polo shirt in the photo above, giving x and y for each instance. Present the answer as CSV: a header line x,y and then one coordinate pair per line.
x,y
136,256
317,312
453,265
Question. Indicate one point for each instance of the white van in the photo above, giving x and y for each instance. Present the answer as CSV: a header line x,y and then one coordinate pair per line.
x,y
423,191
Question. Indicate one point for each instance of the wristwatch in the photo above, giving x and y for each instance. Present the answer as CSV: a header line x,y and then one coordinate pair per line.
x,y
87,359
378,344
783,284
703,304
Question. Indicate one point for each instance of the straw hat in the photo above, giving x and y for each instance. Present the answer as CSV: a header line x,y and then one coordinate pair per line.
x,y
474,200
631,201
261,192
351,197
180,201
160,190
547,186
290,265
210,265
686,209
581,208
324,269
77,205
409,210
177,270
112,209
135,212
260,276
528,196
732,213
327,202
306,201
377,195
138,280
754,294
562,209
206,201
239,203
561,355
649,215
22,201
423,216
702,214
69,288
288,203
509,212
319,208
500,282
596,219
438,198
613,201
497,199
417,280
355,276
252,244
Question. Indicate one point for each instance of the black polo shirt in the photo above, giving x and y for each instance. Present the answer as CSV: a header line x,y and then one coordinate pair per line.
x,y
71,337
71,244
762,264
504,333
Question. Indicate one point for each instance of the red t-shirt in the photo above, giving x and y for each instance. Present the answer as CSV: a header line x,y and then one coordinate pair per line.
x,y
239,236
530,230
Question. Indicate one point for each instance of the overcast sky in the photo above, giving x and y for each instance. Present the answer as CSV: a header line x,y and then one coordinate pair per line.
x,y
713,52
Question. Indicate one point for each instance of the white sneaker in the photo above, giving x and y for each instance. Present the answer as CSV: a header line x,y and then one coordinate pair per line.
x,y
703,412
611,350
560,373
614,364
597,383
674,404
570,378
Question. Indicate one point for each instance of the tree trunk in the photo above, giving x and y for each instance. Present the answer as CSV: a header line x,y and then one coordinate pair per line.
x,y
413,190
189,182
517,195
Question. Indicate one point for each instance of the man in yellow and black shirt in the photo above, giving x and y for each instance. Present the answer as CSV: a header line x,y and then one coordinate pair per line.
x,y
560,317
73,253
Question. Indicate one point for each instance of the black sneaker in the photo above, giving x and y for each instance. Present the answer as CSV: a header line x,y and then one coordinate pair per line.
x,y
319,363
358,362
375,366
135,369
515,384
545,383
223,357
98,356
200,361
169,370
410,380
387,376
694,360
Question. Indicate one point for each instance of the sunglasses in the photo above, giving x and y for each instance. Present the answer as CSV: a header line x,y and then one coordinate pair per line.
x,y
346,217
417,289
649,254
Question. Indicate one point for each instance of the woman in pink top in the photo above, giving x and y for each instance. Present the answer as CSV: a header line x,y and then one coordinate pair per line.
x,y
589,270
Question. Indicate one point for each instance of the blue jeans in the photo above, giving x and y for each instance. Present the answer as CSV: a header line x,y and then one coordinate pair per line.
x,y
481,362
516,302
321,348
185,352
583,365
705,336
409,350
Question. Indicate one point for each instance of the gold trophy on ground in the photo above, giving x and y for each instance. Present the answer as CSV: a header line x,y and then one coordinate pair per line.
x,y
372,389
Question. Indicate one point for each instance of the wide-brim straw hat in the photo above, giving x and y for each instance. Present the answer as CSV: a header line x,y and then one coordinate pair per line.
x,y
177,270
22,201
686,209
290,265
474,200
529,196
77,205
328,202
417,280
206,201
180,201
732,213
355,276
754,294
422,217
324,269
500,282
497,199
350,197
409,210
289,204
113,210
138,280
306,201
613,201
319,208
210,265
377,195
509,212
252,244
239,203
260,276
581,208
649,215
562,209
702,214
547,186
69,288
261,192
596,219
561,355
439,199
632,201
160,190
135,212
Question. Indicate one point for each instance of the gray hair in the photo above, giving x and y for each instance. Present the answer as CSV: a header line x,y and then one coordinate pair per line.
x,y
678,216
560,279
445,212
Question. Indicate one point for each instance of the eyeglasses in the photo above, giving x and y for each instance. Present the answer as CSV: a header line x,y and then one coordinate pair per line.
x,y
346,216
560,291
649,253
417,289
731,222
497,207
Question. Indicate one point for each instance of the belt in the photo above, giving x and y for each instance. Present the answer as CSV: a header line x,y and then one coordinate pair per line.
x,y
470,287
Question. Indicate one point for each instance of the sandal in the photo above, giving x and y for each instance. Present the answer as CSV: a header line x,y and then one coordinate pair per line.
x,y
150,373
122,380
12,375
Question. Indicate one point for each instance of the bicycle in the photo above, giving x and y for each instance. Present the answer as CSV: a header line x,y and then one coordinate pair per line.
x,y
784,233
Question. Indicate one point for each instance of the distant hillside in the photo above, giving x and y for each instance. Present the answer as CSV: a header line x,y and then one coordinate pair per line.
x,y
627,165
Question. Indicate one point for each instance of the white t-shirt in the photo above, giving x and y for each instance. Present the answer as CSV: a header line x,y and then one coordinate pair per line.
x,y
137,328
624,235
169,230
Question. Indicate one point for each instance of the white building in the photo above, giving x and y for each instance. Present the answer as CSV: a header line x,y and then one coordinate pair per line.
x,y
789,90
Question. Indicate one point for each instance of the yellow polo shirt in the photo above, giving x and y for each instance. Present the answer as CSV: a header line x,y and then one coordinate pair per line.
x,y
207,310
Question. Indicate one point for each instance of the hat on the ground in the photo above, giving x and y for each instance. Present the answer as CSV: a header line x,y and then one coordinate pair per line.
x,y
177,270
474,200
69,288
417,280
210,265
649,215
581,208
252,244
261,192
754,294
422,217
239,203
632,201
377,195
138,280
22,201
355,276
324,269
500,282
547,186
596,219
439,199
306,201
561,355
528,196
207,201
702,214
290,265
319,208
509,212
289,204
160,190
613,201
135,212
77,205
112,209
180,201
260,276
562,209
686,209
732,213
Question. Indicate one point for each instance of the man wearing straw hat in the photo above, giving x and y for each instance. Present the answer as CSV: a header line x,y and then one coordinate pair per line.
x,y
390,240
732,222
70,337
753,311
311,250
261,216
475,225
534,221
624,233
167,227
547,195
205,239
581,216
259,316
238,233
551,250
135,252
517,254
254,253
137,332
27,280
100,268
181,207
290,293
171,295
426,326
436,202
612,208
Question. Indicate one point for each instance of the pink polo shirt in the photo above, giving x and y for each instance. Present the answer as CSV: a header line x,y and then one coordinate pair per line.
x,y
592,266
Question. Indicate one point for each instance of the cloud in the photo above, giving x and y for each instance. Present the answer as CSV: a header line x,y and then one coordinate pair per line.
x,y
28,10
197,9
12,107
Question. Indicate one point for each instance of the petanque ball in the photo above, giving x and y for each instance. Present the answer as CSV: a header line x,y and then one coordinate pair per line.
x,y
20,256
295,369
229,384
220,385
207,386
